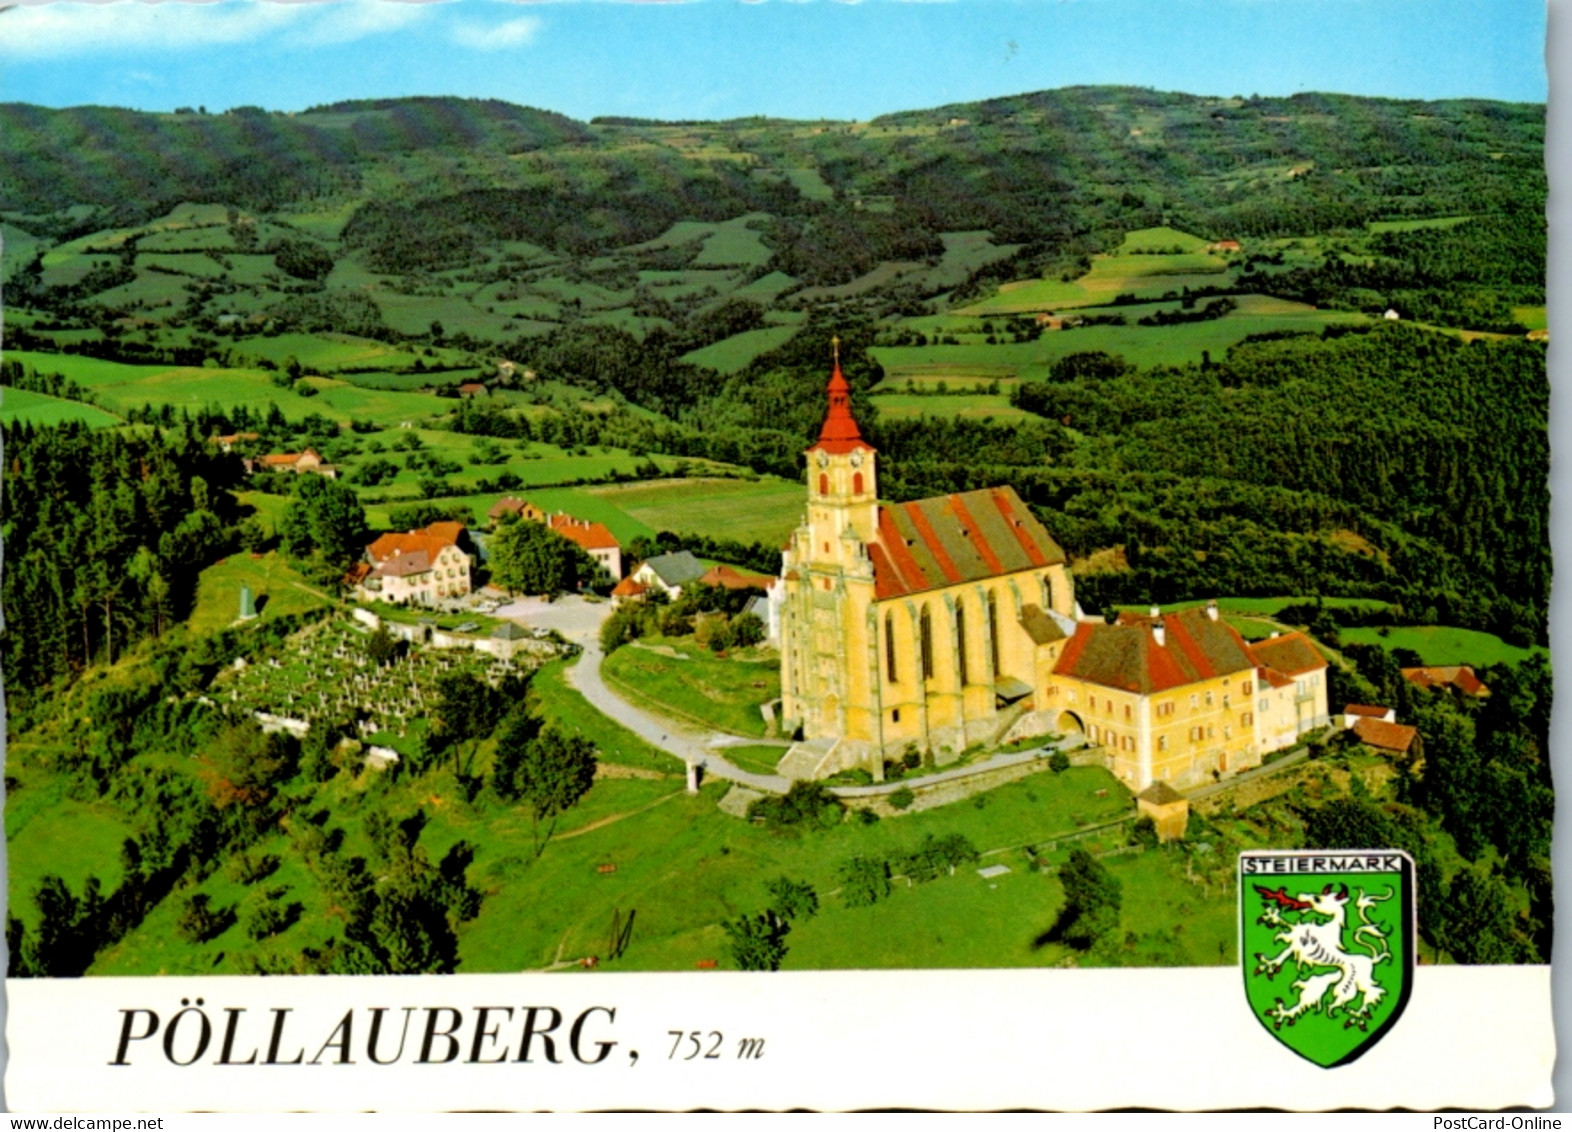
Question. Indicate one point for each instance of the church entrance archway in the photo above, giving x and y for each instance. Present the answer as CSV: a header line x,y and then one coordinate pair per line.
x,y
1070,724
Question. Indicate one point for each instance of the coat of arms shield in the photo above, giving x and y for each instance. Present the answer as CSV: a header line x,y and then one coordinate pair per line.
x,y
1327,942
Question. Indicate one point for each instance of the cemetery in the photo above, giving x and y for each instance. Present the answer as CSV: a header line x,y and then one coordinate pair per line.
x,y
327,671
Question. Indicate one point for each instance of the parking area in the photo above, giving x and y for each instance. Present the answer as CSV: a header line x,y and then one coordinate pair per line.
x,y
572,616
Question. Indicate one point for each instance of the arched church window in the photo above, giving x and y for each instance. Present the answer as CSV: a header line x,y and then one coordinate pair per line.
x,y
993,633
857,484
925,643
960,641
824,485
889,648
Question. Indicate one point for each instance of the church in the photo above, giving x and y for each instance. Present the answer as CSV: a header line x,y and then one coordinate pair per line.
x,y
949,622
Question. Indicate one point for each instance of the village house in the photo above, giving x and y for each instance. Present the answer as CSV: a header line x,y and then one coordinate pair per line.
x,y
950,621
422,566
296,462
593,538
472,389
669,573
1458,678
512,505
1353,713
628,590
228,443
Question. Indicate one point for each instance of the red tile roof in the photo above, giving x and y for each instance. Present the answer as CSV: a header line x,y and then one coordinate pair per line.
x,y
1369,711
1387,736
730,579
1128,657
1292,654
839,433
949,539
587,534
629,588
1458,676
429,541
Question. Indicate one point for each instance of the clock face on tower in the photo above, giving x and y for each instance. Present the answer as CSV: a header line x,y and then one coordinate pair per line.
x,y
824,459
856,459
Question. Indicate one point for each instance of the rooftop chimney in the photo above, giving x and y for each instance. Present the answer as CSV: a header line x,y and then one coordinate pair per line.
x,y
1211,610
1156,612
1160,635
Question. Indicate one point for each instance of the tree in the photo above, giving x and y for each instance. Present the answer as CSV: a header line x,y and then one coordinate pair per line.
x,y
467,711
1091,901
1476,923
325,524
756,942
382,646
554,772
529,558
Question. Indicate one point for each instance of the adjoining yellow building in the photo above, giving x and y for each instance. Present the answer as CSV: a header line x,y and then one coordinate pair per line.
x,y
1181,697
951,621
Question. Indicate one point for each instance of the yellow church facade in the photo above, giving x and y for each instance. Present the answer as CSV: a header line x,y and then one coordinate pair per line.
x,y
952,621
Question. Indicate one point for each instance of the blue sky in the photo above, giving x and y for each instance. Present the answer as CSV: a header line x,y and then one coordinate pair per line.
x,y
786,58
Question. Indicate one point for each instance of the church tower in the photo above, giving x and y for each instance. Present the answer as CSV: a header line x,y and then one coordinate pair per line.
x,y
829,673
843,490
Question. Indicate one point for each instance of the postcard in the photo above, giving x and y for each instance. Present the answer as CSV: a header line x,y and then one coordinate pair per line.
x,y
604,555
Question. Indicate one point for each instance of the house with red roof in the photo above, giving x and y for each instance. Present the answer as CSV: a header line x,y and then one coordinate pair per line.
x,y
950,621
516,507
422,566
595,539
308,461
1457,678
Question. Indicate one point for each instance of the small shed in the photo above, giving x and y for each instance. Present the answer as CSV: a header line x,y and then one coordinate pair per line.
x,y
1168,809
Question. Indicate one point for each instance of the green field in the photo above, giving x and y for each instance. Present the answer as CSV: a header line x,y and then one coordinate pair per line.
x,y
1144,346
733,244
1129,270
1146,241
731,354
1533,318
275,585
987,406
695,687
1415,225
19,406
764,510
1442,644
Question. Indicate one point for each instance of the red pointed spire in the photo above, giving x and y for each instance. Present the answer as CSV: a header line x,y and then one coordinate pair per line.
x,y
839,432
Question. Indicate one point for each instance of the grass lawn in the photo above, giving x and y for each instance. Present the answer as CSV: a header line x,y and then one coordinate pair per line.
x,y
49,833
560,703
682,868
277,587
698,688
1263,606
23,405
759,759
1442,644
764,510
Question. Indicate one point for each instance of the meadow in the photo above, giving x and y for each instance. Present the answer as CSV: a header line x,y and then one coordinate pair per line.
x,y
19,406
682,681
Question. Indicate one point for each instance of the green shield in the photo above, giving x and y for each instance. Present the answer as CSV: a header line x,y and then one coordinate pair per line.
x,y
1326,942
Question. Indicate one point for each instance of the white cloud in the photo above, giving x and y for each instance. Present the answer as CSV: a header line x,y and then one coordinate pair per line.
x,y
42,30
518,32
